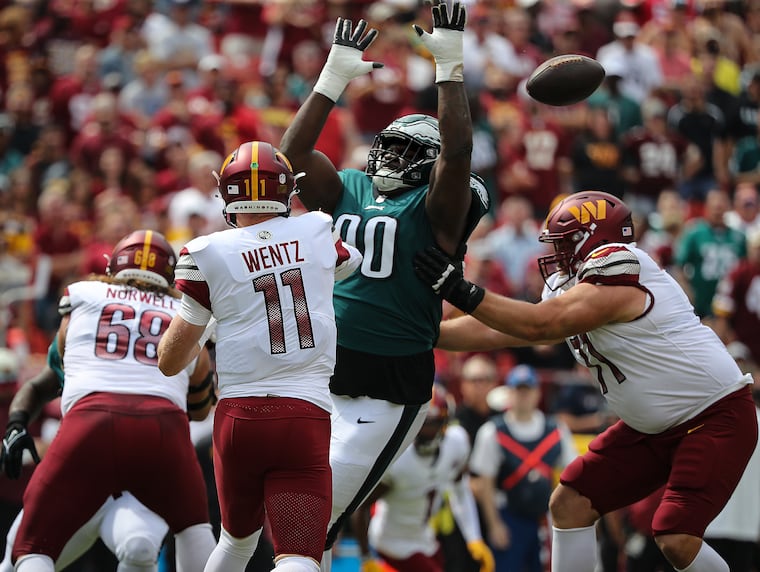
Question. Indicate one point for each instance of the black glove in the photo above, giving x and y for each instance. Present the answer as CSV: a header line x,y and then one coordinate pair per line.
x,y
445,277
16,440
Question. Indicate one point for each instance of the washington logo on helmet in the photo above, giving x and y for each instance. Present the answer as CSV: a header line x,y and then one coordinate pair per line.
x,y
590,211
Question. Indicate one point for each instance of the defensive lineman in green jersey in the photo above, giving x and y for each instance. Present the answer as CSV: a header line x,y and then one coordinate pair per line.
x,y
383,308
416,191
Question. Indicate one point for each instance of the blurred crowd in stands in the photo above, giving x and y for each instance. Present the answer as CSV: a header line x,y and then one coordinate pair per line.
x,y
114,113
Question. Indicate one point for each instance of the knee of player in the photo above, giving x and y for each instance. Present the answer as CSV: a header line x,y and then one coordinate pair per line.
x,y
139,551
679,549
569,509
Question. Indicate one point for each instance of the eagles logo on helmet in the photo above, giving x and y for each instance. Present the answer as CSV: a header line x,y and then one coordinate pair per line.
x,y
402,154
577,225
256,178
143,255
440,410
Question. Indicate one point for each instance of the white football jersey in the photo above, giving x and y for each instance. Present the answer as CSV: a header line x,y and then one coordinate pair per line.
x,y
111,343
663,368
270,288
399,526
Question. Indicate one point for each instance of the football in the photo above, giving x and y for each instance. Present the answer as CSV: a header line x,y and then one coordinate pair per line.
x,y
565,79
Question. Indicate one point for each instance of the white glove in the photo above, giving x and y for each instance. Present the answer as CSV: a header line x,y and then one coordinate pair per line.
x,y
344,62
446,42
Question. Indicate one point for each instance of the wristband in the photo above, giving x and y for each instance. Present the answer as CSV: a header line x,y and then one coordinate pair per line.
x,y
466,296
449,71
18,418
330,84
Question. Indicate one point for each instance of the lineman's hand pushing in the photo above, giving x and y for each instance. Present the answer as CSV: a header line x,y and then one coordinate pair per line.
x,y
446,41
17,440
344,62
445,277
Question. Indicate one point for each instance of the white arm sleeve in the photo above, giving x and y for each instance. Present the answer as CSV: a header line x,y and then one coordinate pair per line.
x,y
465,509
193,312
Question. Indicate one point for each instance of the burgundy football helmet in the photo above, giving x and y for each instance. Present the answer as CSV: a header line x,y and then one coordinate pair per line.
x,y
256,178
440,410
577,225
143,255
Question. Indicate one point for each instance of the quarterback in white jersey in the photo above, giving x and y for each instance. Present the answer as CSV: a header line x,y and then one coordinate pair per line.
x,y
687,415
413,490
121,414
268,283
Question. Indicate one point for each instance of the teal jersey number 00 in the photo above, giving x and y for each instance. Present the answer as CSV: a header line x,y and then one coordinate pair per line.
x,y
383,308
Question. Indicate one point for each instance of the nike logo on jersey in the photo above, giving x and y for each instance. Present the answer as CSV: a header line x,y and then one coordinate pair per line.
x,y
695,428
375,207
360,420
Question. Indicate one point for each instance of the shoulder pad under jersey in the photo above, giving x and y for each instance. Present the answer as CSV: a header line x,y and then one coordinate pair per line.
x,y
612,264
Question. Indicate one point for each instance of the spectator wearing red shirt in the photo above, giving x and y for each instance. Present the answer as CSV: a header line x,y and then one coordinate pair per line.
x,y
535,158
107,128
71,94
55,238
655,158
115,216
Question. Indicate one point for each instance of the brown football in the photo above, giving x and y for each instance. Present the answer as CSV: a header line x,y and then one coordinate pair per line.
x,y
565,79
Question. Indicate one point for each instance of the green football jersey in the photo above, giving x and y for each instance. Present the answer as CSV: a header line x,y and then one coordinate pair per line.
x,y
383,308
54,360
706,255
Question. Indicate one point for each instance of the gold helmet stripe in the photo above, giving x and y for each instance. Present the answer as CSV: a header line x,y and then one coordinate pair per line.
x,y
146,250
254,192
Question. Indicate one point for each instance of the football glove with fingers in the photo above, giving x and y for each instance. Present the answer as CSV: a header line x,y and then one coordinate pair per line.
x,y
344,62
447,41
481,554
445,277
17,439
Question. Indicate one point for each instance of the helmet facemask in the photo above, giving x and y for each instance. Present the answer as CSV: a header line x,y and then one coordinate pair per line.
x,y
403,154
565,259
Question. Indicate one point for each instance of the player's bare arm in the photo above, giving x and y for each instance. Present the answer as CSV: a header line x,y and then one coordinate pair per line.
x,y
583,308
178,346
321,187
35,393
467,334
449,196
448,199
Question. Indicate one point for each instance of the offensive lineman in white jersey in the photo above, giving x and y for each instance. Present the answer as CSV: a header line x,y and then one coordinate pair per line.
x,y
131,532
124,422
268,282
412,491
687,416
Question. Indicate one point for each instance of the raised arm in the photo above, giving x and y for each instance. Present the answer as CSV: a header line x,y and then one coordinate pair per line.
x,y
449,197
321,187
